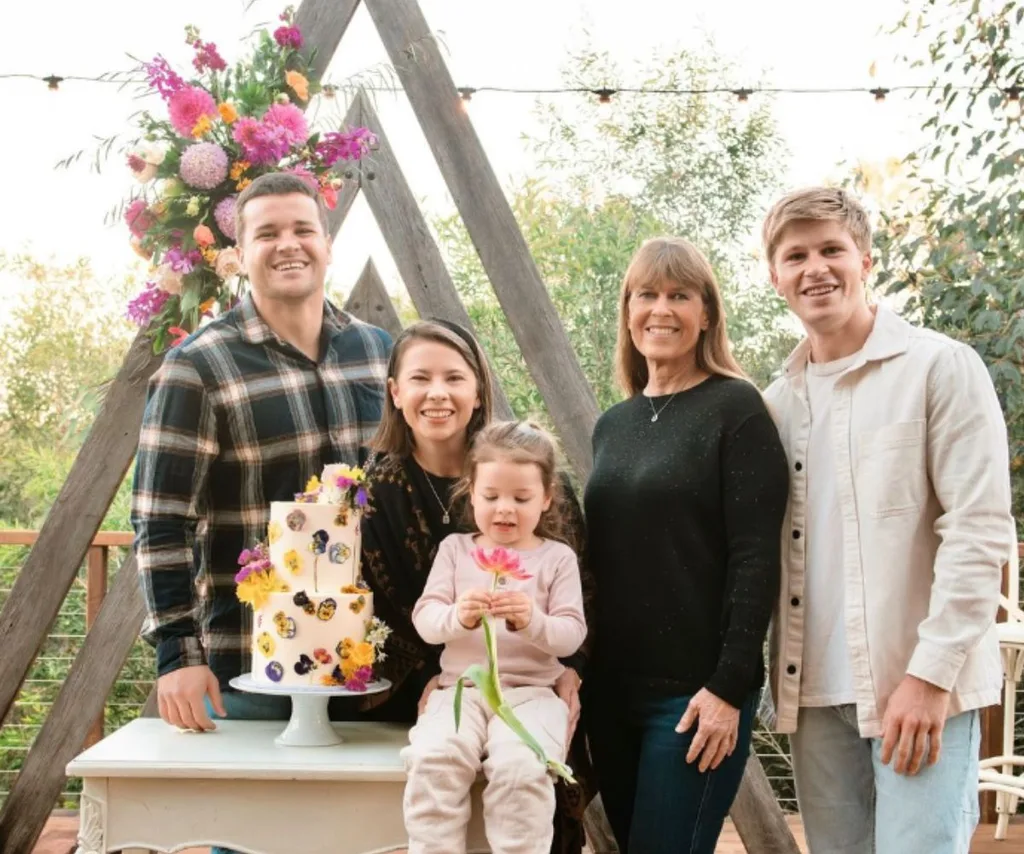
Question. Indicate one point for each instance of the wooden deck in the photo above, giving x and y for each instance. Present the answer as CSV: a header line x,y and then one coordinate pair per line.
x,y
59,838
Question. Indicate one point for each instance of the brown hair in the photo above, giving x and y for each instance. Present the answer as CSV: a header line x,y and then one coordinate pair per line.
x,y
522,442
816,204
393,434
675,260
277,184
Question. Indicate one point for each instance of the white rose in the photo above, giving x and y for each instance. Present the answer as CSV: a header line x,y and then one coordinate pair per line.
x,y
168,280
228,263
153,154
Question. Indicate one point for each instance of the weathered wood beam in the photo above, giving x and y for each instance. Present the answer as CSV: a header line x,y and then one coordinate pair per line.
x,y
371,302
70,526
407,235
81,699
417,61
755,812
323,24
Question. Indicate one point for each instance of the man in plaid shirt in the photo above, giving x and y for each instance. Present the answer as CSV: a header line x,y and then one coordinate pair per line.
x,y
239,415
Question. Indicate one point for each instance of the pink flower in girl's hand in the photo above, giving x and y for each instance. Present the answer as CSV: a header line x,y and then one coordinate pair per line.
x,y
500,562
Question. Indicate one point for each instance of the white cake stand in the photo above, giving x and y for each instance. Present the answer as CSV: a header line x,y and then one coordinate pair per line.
x,y
310,725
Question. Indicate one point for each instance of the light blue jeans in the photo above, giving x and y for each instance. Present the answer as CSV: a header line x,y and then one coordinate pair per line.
x,y
851,803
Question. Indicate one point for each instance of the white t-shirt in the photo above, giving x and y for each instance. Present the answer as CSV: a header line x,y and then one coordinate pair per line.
x,y
827,678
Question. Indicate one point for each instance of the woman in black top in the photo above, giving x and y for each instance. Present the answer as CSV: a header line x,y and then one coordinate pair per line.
x,y
684,513
439,395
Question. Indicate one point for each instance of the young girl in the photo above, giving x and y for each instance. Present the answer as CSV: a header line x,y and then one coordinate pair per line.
x,y
537,615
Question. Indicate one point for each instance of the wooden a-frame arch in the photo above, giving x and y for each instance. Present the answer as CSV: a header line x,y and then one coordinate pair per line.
x,y
106,454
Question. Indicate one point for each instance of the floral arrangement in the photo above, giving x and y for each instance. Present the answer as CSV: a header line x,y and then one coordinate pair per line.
x,y
223,128
257,579
356,660
342,484
501,564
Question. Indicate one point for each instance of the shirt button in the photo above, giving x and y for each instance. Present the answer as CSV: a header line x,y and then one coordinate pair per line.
x,y
796,535
799,466
791,669
795,601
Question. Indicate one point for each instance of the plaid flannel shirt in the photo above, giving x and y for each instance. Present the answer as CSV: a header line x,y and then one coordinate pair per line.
x,y
237,418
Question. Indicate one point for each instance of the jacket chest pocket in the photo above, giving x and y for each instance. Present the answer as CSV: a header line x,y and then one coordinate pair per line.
x,y
891,475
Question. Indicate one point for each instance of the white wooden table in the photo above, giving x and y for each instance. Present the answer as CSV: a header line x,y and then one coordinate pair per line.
x,y
149,786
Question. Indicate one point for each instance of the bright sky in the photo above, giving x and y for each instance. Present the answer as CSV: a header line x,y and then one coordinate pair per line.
x,y
799,43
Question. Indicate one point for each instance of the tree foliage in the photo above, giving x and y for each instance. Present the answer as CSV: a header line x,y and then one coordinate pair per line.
x,y
952,246
697,166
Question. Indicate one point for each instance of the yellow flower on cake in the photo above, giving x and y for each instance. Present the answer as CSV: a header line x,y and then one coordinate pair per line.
x,y
274,532
293,562
256,588
361,655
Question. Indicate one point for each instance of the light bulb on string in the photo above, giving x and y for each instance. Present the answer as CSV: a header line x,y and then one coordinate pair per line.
x,y
53,82
466,94
879,94
743,95
604,96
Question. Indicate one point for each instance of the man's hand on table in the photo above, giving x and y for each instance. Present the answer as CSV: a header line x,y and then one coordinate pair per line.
x,y
181,694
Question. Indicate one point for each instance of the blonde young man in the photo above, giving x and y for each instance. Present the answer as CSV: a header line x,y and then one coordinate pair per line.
x,y
883,642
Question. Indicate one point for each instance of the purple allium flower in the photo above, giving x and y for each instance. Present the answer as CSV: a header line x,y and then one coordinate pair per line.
x,y
162,77
350,145
208,57
189,104
146,304
288,37
224,216
204,165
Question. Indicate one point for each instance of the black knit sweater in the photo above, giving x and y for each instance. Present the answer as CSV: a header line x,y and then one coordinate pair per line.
x,y
684,518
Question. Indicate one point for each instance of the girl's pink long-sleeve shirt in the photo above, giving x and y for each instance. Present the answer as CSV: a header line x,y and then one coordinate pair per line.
x,y
528,656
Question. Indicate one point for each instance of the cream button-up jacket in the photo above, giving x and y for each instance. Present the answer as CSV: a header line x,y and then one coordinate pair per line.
x,y
922,477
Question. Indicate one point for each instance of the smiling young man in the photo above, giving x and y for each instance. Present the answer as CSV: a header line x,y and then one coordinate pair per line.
x,y
243,413
883,642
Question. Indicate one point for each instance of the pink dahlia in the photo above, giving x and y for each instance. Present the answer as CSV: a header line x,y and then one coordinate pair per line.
x,y
139,218
224,216
263,144
188,105
289,117
204,165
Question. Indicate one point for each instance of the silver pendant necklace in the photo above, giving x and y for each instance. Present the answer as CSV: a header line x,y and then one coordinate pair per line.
x,y
445,511
657,412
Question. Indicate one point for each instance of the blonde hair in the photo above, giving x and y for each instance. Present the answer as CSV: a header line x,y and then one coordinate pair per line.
x,y
525,443
393,434
816,204
675,260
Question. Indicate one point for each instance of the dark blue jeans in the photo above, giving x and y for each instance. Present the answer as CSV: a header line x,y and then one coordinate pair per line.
x,y
655,801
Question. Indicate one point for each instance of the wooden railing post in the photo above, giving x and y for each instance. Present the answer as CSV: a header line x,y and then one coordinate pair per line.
x,y
97,562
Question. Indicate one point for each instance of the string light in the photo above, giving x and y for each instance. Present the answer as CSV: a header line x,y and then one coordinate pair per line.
x,y
1013,105
604,95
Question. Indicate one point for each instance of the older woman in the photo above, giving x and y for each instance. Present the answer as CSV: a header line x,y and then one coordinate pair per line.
x,y
684,511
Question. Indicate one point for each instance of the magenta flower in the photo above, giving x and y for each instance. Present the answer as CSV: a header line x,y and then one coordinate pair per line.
x,y
204,165
224,216
359,679
139,218
288,37
187,105
147,304
181,261
350,145
305,175
499,562
207,57
163,78
263,144
289,117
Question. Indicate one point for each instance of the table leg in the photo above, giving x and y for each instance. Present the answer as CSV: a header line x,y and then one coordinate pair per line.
x,y
92,817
